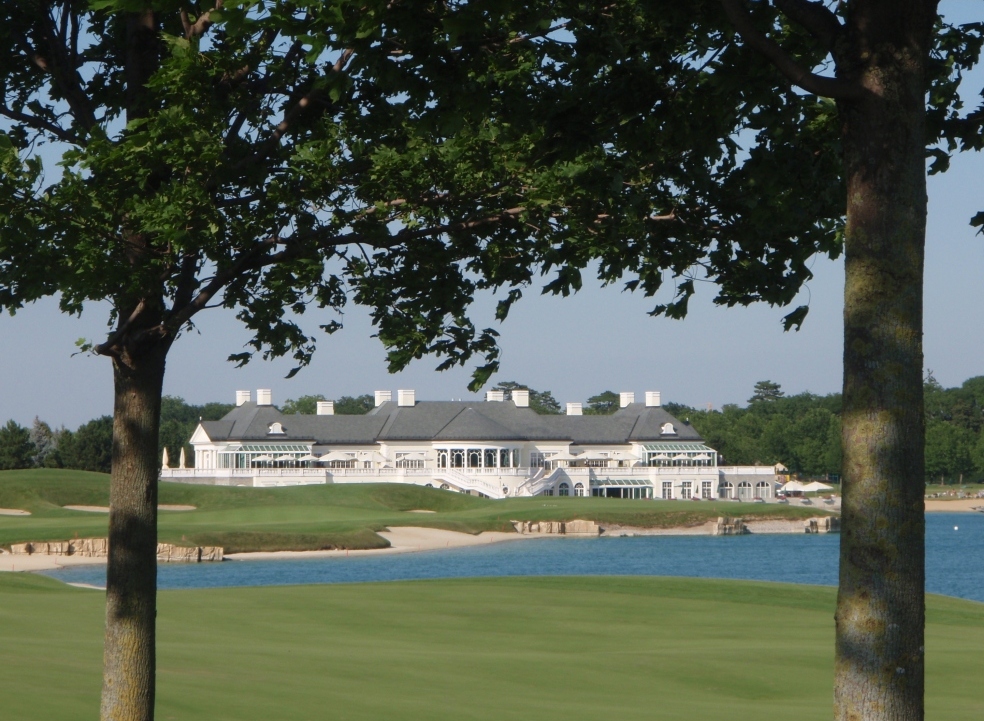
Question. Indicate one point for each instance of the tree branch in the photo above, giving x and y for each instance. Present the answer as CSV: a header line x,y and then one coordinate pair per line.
x,y
39,124
108,347
258,256
57,61
794,72
201,24
815,17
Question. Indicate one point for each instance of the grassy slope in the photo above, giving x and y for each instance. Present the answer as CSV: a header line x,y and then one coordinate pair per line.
x,y
543,648
305,517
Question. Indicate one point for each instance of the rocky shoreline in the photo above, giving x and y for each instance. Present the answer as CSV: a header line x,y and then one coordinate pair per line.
x,y
723,526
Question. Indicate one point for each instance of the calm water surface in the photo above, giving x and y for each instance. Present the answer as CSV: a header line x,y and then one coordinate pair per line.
x,y
954,561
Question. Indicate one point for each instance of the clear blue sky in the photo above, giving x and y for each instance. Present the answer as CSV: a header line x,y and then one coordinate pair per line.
x,y
599,340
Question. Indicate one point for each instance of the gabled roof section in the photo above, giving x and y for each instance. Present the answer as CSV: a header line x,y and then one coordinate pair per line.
x,y
469,424
201,434
649,425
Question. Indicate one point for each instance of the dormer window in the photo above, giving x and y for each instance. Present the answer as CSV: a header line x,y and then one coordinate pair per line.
x,y
668,430
276,429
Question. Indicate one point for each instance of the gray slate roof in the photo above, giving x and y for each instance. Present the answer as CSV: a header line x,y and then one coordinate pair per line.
x,y
450,421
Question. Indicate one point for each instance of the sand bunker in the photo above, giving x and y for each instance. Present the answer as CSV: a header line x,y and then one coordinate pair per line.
x,y
419,510
962,505
13,512
175,507
403,539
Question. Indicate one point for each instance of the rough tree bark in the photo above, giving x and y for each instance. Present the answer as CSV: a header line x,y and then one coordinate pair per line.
x,y
131,576
881,600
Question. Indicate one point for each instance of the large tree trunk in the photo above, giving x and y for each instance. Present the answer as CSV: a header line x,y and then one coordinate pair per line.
x,y
131,577
881,601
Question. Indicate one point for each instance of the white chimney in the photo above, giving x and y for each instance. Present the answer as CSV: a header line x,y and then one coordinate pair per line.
x,y
495,396
243,397
326,408
383,397
264,397
574,409
652,399
626,398
405,399
521,398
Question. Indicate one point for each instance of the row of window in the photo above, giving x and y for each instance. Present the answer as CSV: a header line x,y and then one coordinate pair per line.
x,y
478,458
687,489
564,489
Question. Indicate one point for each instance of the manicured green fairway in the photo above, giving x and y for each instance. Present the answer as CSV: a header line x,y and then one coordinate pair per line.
x,y
306,517
537,648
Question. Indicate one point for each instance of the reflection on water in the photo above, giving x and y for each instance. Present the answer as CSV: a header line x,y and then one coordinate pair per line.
x,y
954,560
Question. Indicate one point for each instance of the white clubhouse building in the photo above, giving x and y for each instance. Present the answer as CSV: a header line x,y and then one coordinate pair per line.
x,y
497,448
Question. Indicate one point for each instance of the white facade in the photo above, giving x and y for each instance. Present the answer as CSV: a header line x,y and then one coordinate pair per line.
x,y
270,449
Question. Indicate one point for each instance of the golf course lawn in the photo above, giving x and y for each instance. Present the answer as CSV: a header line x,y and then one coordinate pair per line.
x,y
313,517
539,648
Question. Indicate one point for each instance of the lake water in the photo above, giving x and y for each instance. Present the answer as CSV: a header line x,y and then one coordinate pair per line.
x,y
954,561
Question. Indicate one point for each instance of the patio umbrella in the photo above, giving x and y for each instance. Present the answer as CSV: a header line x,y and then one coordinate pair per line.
x,y
793,486
285,458
562,456
309,457
164,459
592,456
337,456
816,486
262,458
181,458
625,456
373,456
680,457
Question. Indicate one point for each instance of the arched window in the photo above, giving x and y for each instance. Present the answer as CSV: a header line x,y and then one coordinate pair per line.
x,y
744,490
578,489
445,487
726,489
457,458
668,429
563,490
763,489
276,429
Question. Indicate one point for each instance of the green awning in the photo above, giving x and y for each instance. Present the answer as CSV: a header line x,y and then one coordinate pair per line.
x,y
679,447
271,448
623,482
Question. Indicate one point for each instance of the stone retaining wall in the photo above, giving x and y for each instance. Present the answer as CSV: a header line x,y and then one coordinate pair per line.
x,y
567,528
99,548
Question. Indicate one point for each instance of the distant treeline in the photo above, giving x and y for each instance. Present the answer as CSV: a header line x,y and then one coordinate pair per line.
x,y
90,446
800,431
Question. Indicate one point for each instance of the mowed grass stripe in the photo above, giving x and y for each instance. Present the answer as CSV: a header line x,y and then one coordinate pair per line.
x,y
311,517
544,648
